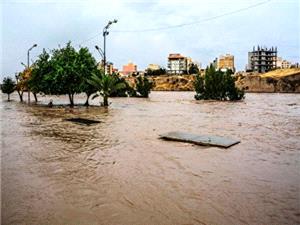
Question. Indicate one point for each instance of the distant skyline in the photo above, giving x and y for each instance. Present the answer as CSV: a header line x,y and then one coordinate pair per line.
x,y
202,30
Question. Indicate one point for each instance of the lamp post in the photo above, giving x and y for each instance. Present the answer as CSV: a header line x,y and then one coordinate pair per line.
x,y
105,33
100,52
33,46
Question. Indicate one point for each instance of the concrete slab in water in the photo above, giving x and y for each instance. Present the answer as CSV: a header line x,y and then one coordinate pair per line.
x,y
207,140
83,121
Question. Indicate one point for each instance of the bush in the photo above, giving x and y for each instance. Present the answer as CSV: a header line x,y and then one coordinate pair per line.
x,y
217,85
8,86
143,86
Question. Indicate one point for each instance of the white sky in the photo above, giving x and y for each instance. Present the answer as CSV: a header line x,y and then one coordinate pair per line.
x,y
50,23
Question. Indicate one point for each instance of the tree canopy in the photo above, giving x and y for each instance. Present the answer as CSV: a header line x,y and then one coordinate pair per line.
x,y
217,85
143,86
8,86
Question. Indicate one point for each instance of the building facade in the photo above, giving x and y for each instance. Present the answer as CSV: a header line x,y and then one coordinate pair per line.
x,y
177,64
109,67
226,62
262,59
153,67
282,63
128,69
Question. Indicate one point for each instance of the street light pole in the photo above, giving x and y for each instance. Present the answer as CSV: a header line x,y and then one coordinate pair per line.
x,y
33,46
105,33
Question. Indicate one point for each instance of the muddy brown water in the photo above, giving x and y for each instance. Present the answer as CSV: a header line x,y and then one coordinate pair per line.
x,y
118,172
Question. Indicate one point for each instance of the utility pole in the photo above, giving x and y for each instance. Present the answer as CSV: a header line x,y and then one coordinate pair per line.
x,y
33,46
105,33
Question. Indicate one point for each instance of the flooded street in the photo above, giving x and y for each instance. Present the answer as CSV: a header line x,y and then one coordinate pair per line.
x,y
118,172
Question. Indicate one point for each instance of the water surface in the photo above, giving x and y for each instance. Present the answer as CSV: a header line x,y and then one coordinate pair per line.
x,y
119,172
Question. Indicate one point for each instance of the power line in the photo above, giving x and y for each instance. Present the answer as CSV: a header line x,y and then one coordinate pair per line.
x,y
184,24
195,22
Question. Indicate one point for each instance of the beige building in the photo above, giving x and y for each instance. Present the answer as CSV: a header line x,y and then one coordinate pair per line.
x,y
153,67
282,63
177,63
226,62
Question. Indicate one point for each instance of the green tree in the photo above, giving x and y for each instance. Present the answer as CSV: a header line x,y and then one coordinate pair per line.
x,y
217,85
65,77
160,71
8,86
199,87
106,85
143,86
193,69
122,92
87,66
42,67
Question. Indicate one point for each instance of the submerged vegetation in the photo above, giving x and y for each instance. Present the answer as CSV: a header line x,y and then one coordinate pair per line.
x,y
67,71
8,86
217,85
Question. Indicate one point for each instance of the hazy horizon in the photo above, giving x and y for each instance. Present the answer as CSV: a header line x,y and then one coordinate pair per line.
x,y
147,31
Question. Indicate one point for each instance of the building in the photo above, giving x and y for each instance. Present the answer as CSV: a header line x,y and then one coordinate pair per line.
x,y
109,67
129,69
262,59
177,64
282,63
153,67
226,62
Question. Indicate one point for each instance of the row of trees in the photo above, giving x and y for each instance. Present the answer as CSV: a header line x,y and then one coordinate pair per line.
x,y
65,71
217,85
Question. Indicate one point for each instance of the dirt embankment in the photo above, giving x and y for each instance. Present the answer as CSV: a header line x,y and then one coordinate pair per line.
x,y
281,80
170,82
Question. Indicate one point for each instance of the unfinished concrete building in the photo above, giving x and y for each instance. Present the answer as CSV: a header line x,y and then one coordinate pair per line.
x,y
262,59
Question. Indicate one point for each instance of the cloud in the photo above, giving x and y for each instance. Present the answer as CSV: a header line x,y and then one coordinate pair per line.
x,y
51,22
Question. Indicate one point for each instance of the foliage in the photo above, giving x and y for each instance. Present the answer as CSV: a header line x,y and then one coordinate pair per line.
x,y
42,67
87,66
8,86
217,85
106,85
122,92
65,71
21,85
65,77
143,86
160,71
193,69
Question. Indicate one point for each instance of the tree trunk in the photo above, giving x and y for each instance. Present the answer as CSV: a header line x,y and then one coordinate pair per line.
x,y
35,97
20,95
71,97
8,99
87,100
105,100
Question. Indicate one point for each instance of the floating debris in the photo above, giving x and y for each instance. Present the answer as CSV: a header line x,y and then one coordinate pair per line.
x,y
79,120
207,140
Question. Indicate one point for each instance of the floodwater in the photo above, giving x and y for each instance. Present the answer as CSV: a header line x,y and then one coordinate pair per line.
x,y
119,172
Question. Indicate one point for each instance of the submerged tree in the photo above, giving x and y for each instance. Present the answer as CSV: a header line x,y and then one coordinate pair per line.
x,y
217,85
8,86
87,66
20,87
122,92
38,79
105,85
143,86
65,77
193,69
